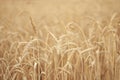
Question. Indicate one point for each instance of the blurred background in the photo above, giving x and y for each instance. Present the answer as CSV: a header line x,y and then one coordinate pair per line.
x,y
59,8
17,13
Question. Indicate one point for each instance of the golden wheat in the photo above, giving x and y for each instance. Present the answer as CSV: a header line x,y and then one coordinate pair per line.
x,y
61,45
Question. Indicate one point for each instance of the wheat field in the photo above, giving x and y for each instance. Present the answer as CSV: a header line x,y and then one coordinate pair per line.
x,y
59,40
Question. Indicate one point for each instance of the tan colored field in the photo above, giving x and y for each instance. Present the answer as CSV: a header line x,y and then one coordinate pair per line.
x,y
59,40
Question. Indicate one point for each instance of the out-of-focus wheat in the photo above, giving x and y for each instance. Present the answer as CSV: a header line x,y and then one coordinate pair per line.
x,y
70,47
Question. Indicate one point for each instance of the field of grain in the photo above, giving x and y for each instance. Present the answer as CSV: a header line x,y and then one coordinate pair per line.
x,y
59,40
